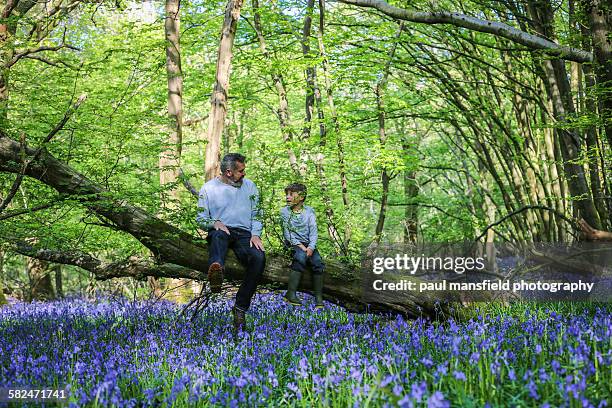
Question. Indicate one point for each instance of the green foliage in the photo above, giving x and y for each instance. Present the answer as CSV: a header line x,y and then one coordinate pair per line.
x,y
452,95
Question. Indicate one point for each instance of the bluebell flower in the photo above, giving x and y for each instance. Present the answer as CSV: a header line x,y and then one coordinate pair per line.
x,y
437,400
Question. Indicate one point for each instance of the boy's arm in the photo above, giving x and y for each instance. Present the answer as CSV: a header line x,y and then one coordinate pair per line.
x,y
286,226
312,231
204,218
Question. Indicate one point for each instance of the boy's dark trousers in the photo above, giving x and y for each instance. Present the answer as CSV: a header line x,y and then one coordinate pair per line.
x,y
253,259
301,260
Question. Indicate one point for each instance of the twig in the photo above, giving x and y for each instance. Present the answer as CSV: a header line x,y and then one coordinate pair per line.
x,y
185,180
47,139
28,52
17,213
190,122
520,210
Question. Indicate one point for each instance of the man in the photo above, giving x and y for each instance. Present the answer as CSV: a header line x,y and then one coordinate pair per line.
x,y
229,211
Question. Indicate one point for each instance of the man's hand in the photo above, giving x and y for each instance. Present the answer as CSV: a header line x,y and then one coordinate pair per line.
x,y
302,247
256,242
218,225
309,251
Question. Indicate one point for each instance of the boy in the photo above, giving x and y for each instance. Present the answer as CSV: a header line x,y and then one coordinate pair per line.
x,y
300,232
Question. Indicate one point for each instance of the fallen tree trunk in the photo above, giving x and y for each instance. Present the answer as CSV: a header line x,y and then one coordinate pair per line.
x,y
176,253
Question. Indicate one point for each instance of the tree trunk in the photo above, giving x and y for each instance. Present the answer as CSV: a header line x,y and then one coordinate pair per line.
x,y
11,14
177,254
2,297
277,78
170,157
570,142
381,87
600,18
59,284
219,98
310,87
411,192
384,177
336,123
39,273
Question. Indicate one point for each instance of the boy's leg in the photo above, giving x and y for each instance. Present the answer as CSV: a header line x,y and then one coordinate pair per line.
x,y
218,242
298,265
317,277
316,262
254,261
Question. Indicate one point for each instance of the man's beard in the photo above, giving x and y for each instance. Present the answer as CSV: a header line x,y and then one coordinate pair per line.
x,y
235,183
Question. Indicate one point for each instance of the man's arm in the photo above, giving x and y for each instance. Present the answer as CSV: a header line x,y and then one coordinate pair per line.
x,y
256,224
204,218
256,214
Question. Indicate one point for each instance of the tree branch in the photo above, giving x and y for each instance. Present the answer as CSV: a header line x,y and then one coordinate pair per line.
x,y
484,26
50,62
17,213
194,121
185,180
520,210
28,52
593,234
133,266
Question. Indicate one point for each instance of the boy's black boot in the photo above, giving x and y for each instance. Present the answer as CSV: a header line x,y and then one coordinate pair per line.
x,y
294,281
317,286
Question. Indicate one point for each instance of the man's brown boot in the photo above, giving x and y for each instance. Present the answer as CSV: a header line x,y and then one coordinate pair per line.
x,y
239,319
215,277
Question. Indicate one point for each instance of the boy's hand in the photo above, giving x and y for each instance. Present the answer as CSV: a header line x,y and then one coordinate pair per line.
x,y
309,251
302,247
218,225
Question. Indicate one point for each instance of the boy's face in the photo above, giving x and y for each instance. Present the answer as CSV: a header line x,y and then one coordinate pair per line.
x,y
293,198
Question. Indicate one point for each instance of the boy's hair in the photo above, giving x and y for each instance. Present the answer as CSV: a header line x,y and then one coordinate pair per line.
x,y
297,188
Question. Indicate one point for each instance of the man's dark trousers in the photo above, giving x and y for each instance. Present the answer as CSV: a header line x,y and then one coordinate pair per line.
x,y
253,259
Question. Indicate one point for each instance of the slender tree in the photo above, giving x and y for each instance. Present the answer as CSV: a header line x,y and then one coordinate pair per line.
x,y
219,98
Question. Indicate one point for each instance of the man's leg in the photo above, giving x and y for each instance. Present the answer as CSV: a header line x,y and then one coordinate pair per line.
x,y
298,266
218,242
254,261
317,277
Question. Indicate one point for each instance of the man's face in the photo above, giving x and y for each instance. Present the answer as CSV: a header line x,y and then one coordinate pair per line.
x,y
237,174
293,198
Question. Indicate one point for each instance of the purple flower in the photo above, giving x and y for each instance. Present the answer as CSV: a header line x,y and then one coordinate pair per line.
x,y
405,402
533,390
418,390
436,400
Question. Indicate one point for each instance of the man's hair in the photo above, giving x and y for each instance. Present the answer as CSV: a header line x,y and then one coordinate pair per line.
x,y
297,188
229,161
